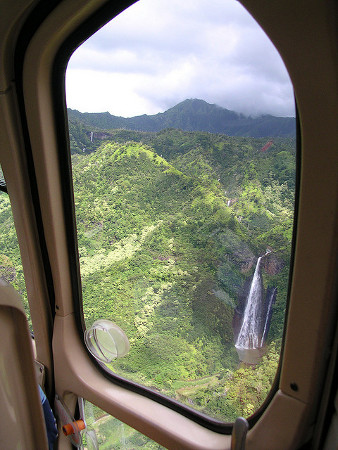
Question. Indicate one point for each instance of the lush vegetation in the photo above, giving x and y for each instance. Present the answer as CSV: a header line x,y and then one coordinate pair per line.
x,y
170,225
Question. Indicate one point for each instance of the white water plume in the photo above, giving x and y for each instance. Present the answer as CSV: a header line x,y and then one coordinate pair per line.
x,y
249,334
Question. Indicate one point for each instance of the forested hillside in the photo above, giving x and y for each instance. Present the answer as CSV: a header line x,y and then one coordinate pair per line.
x,y
170,227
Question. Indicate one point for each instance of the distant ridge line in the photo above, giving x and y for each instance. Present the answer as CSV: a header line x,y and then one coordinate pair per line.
x,y
194,115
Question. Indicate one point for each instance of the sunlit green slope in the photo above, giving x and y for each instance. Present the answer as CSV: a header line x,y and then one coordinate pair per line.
x,y
170,226
167,240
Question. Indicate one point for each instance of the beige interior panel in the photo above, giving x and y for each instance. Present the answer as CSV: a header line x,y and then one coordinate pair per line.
x,y
22,423
270,431
11,18
14,167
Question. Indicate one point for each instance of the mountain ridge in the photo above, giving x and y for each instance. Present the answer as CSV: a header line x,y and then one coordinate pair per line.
x,y
193,115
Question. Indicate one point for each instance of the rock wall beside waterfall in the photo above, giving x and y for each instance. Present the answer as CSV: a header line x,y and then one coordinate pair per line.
x,y
271,264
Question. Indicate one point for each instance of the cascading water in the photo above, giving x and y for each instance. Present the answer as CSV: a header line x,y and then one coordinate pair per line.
x,y
268,315
250,343
248,336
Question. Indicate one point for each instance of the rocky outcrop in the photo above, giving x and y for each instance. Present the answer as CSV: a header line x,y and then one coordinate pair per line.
x,y
271,264
237,251
98,135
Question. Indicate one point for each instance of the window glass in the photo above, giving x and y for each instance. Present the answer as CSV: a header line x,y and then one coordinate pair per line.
x,y
185,217
11,269
113,434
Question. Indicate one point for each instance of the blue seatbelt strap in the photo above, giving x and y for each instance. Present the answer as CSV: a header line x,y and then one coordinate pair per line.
x,y
49,420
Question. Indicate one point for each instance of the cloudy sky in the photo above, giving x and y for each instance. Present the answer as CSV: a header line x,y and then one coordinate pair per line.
x,y
160,52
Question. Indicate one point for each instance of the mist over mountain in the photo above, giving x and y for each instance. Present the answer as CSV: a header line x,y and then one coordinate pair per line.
x,y
194,115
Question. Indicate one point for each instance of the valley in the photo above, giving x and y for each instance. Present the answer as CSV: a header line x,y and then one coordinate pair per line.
x,y
170,227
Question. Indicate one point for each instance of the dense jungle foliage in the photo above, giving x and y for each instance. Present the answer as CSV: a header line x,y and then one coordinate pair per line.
x,y
170,226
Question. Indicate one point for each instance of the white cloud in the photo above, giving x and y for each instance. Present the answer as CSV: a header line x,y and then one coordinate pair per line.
x,y
93,91
160,52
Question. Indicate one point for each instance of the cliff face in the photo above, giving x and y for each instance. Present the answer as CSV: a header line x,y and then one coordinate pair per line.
x,y
271,264
100,135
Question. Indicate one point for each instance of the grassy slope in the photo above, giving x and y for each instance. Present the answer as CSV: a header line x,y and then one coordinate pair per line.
x,y
162,253
169,227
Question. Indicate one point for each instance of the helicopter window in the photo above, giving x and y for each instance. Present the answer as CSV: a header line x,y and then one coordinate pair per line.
x,y
185,215
11,270
109,432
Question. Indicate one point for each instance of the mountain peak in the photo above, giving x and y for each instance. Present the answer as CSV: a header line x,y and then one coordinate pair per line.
x,y
198,105
194,115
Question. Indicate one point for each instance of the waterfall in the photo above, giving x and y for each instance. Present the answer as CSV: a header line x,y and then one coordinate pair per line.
x,y
268,315
248,337
91,136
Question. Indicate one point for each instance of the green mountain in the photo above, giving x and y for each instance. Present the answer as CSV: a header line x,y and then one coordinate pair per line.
x,y
170,225
193,115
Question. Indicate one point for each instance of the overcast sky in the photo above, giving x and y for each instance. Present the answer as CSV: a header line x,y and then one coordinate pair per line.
x,y
160,52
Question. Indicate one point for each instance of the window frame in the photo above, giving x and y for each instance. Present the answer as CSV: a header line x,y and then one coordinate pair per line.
x,y
287,398
65,52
